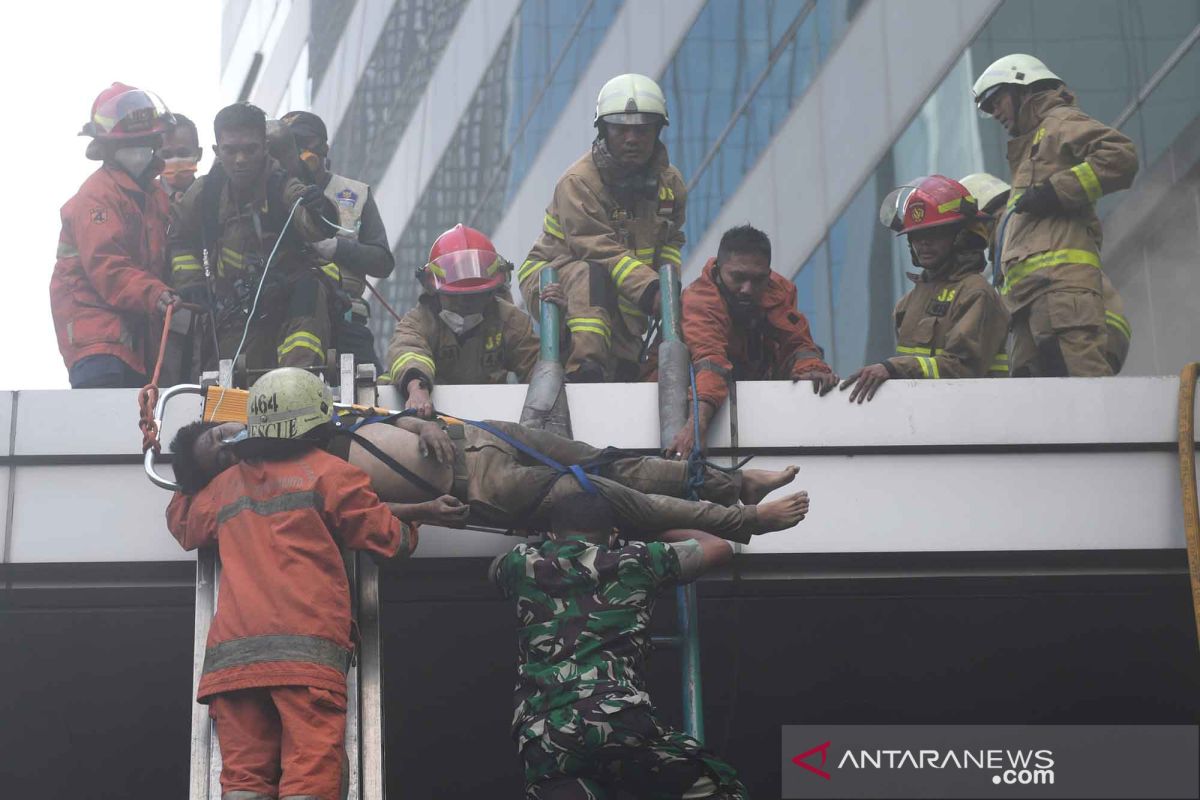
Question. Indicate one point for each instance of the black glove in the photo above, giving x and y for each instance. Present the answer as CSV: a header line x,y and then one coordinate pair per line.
x,y
312,197
1040,201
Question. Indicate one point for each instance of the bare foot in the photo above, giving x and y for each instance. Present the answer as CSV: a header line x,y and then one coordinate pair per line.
x,y
782,514
758,483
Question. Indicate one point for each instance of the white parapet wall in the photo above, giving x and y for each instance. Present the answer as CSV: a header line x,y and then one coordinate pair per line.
x,y
947,466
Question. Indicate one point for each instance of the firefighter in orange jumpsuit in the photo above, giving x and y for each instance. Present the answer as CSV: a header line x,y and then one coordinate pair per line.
x,y
275,664
740,323
108,287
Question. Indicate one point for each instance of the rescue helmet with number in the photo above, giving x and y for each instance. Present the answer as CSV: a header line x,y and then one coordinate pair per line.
x,y
123,113
631,99
989,191
463,261
931,202
287,403
1017,69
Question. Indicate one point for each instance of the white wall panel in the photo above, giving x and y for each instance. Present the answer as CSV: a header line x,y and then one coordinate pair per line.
x,y
975,501
90,514
6,404
976,465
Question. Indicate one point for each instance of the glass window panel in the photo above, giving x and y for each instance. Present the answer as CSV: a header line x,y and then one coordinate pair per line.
x,y
812,298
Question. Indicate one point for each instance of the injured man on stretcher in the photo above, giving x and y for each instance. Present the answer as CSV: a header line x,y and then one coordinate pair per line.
x,y
491,473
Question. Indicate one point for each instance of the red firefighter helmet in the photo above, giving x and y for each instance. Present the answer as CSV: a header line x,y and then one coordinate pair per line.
x,y
931,203
126,112
464,261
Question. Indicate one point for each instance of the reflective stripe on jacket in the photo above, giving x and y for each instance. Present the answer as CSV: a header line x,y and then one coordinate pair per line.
x,y
423,346
283,611
587,221
952,327
1082,159
722,349
110,270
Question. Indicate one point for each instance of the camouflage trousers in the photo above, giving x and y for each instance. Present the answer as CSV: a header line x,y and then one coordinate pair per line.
x,y
588,753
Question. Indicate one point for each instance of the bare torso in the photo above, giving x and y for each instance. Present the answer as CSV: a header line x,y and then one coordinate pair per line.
x,y
405,447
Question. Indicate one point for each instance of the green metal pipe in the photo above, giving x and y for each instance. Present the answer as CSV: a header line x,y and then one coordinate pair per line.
x,y
689,632
669,289
550,321
673,384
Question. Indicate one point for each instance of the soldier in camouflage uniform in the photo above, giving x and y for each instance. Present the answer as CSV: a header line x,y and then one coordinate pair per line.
x,y
583,722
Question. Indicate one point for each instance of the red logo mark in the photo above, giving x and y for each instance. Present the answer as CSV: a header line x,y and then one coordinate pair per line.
x,y
800,762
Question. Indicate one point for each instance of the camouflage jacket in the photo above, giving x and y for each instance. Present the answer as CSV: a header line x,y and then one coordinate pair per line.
x,y
582,612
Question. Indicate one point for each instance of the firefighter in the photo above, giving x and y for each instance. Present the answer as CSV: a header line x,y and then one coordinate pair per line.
x,y
1062,162
181,155
108,289
360,248
616,215
991,194
246,208
952,324
460,331
274,674
584,602
740,322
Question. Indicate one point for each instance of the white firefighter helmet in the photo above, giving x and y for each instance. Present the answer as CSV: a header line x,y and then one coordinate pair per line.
x,y
631,99
1018,69
986,188
287,403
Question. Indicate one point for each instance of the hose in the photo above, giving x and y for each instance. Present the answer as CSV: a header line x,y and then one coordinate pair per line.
x,y
1187,479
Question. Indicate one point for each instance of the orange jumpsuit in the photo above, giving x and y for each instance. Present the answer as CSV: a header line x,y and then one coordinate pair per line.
x,y
779,347
277,653
111,269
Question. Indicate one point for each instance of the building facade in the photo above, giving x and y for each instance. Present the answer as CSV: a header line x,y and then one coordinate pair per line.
x,y
798,116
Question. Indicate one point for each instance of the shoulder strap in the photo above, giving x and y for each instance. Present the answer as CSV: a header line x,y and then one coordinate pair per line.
x,y
392,464
210,206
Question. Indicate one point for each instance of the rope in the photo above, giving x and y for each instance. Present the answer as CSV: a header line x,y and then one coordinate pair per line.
x,y
1187,478
697,463
148,396
383,302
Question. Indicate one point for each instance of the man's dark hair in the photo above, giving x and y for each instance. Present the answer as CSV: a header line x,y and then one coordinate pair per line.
x,y
183,449
184,122
583,512
241,117
744,240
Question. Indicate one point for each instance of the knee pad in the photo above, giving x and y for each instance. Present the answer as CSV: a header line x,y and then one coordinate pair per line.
x,y
1050,354
588,372
601,291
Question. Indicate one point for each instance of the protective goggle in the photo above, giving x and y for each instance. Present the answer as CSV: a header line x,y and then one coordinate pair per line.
x,y
240,436
468,271
987,100
891,210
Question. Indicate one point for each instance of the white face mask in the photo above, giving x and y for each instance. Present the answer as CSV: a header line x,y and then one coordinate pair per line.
x,y
460,325
135,160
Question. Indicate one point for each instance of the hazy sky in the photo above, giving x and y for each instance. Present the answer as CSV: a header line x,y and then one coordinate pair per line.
x,y
57,56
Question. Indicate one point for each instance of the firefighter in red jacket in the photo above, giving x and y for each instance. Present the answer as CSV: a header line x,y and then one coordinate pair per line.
x,y
740,323
275,663
108,288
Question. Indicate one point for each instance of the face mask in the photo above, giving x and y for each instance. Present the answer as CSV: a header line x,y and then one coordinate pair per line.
x,y
460,325
179,173
137,161
313,162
